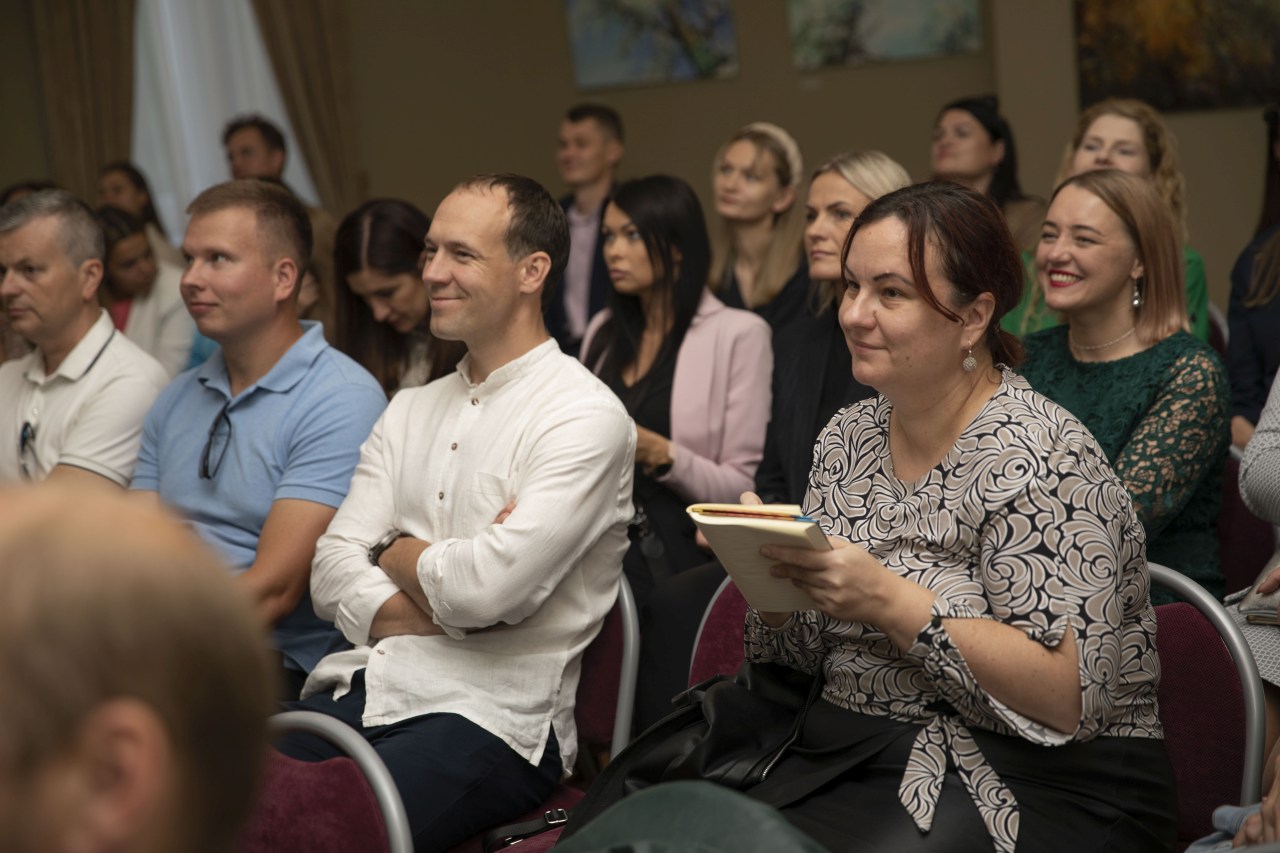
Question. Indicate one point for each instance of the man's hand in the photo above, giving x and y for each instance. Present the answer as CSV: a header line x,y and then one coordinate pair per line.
x,y
400,562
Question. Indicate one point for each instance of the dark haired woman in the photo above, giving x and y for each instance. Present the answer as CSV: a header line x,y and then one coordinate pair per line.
x,y
693,374
984,685
973,145
122,185
142,294
1253,351
382,311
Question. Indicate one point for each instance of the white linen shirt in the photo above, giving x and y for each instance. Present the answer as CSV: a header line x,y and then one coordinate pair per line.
x,y
440,464
87,414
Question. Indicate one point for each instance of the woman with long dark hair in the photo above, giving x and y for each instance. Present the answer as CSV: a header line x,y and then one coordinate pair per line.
x,y
973,145
693,374
383,306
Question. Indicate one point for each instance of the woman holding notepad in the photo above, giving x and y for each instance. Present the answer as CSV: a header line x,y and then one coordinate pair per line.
x,y
982,623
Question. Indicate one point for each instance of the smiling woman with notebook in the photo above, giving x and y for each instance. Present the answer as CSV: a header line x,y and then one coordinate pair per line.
x,y
981,619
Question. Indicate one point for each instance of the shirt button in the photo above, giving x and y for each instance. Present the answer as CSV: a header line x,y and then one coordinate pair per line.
x,y
440,496
474,401
453,446
382,651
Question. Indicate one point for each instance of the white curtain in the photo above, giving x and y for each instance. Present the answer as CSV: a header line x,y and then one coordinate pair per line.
x,y
198,64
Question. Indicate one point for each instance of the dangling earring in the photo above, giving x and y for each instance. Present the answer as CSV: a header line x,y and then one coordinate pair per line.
x,y
970,363
1137,295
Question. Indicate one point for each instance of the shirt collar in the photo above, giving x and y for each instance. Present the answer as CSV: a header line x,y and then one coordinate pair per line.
x,y
283,375
511,370
82,356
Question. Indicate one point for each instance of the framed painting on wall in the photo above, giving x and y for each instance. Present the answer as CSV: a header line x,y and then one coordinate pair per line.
x,y
828,33
643,42
1179,54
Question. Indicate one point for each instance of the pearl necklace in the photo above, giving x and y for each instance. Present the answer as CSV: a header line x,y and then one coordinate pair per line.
x,y
1082,348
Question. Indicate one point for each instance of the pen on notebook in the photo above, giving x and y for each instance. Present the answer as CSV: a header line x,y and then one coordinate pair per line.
x,y
788,516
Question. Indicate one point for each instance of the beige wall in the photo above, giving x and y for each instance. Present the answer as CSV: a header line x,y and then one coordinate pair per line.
x,y
434,107
453,87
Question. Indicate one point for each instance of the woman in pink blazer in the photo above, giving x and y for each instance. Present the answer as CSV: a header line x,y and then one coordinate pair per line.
x,y
693,373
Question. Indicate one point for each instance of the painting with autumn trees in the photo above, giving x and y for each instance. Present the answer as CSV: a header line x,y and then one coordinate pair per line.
x,y
1179,54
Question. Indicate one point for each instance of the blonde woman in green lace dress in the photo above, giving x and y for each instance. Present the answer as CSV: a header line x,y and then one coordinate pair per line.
x,y
1155,397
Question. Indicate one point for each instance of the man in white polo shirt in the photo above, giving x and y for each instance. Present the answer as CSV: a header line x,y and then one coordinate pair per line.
x,y
74,406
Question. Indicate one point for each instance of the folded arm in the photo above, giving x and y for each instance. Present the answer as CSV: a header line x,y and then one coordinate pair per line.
x,y
574,487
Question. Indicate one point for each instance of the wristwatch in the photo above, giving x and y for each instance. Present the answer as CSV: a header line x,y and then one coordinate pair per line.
x,y
376,549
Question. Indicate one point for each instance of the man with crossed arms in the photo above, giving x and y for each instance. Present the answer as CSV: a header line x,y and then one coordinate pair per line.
x,y
481,544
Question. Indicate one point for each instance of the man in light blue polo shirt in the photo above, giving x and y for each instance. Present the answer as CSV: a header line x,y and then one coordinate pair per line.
x,y
256,447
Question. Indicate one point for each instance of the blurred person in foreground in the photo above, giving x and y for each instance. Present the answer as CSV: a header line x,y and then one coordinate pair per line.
x,y
129,725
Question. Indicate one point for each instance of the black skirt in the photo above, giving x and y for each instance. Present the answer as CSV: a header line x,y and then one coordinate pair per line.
x,y
840,786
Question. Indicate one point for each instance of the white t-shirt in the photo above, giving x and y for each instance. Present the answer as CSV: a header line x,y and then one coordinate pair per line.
x,y
87,414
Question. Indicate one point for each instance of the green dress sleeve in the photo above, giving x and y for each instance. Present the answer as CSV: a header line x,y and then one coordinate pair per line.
x,y
1176,442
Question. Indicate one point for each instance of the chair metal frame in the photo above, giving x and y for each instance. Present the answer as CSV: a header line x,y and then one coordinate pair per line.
x,y
630,668
394,818
1255,714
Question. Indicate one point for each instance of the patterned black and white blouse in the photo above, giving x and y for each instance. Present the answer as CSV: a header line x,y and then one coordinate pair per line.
x,y
1023,522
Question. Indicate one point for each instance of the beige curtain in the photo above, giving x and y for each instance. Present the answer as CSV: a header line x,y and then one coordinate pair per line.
x,y
86,64
307,43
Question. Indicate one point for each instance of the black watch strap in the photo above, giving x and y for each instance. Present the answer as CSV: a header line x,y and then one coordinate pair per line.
x,y
376,549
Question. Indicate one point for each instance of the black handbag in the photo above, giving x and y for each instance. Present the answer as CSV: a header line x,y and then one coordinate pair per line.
x,y
726,730
731,731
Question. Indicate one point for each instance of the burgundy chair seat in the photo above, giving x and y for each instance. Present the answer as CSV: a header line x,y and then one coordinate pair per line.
x,y
314,807
1202,710
718,647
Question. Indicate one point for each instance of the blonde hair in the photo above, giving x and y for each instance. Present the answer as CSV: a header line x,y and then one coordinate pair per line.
x,y
872,173
1146,218
786,248
104,598
1161,146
